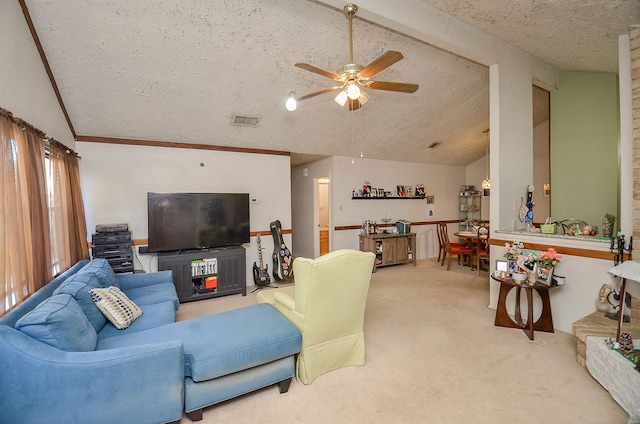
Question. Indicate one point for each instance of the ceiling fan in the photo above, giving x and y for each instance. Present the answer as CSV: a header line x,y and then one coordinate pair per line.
x,y
352,76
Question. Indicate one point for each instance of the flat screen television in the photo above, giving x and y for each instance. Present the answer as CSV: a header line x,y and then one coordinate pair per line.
x,y
186,221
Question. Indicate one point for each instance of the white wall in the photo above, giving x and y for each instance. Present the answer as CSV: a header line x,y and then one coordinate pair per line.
x,y
441,181
116,178
305,235
576,299
25,89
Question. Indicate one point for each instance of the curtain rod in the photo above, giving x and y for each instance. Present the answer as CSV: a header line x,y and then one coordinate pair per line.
x,y
24,124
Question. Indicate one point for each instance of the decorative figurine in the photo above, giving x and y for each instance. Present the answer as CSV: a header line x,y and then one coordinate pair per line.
x,y
626,343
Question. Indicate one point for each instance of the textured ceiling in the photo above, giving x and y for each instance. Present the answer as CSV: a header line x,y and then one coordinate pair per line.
x,y
178,71
573,35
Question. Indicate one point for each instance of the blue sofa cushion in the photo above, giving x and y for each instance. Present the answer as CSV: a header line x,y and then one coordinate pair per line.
x,y
59,322
78,287
152,316
101,268
223,343
156,293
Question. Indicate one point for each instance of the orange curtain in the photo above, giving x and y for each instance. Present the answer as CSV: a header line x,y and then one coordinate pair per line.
x,y
43,228
24,234
68,225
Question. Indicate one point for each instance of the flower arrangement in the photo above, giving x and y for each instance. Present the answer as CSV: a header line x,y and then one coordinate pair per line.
x,y
549,257
512,251
528,258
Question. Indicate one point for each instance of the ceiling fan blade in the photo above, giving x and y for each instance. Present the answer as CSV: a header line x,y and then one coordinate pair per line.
x,y
383,62
318,71
354,104
394,86
316,93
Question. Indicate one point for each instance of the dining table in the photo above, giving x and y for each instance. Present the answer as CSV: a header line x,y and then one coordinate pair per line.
x,y
476,239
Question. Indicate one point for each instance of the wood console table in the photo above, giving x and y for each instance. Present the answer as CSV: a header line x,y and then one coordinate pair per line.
x,y
390,249
544,323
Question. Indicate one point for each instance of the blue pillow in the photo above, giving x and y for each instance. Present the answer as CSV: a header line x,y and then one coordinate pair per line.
x,y
59,322
78,286
101,268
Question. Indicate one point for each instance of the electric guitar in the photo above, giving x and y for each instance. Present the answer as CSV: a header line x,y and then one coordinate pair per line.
x,y
282,258
260,274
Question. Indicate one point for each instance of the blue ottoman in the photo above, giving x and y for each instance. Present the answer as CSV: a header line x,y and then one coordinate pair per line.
x,y
227,354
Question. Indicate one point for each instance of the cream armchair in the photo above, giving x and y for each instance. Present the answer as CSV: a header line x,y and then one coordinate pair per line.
x,y
327,305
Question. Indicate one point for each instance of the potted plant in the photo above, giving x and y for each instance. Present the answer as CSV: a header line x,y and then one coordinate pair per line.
x,y
608,223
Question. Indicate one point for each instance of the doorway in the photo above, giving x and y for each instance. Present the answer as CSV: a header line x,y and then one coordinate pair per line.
x,y
322,209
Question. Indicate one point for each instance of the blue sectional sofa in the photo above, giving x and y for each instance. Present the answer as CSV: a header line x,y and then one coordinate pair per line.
x,y
63,361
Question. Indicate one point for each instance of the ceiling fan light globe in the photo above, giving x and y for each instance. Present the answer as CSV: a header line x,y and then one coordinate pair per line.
x,y
341,98
353,91
291,104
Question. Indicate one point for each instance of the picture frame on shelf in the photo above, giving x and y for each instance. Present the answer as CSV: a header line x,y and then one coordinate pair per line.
x,y
374,192
545,273
408,191
512,266
502,265
400,190
381,192
366,190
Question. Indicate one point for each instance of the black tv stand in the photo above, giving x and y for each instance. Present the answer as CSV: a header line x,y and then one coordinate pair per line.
x,y
206,273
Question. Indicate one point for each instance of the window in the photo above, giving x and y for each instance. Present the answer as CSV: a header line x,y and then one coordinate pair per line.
x,y
43,227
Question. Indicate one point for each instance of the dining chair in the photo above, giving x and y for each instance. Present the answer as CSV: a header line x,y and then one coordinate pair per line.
x,y
483,249
441,227
451,248
440,242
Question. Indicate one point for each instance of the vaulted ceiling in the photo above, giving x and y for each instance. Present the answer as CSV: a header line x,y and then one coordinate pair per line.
x,y
180,70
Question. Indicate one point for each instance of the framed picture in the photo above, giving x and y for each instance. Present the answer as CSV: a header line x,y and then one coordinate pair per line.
x,y
381,192
400,190
545,274
366,190
430,199
486,192
374,192
547,190
502,265
408,191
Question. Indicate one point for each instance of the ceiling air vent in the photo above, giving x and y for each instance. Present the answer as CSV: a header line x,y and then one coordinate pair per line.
x,y
433,145
245,121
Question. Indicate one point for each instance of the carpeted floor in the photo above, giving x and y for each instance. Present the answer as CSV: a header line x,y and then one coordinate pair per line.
x,y
433,356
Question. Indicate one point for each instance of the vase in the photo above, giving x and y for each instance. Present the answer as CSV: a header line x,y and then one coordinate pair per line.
x,y
607,228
